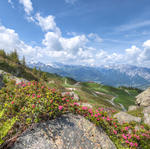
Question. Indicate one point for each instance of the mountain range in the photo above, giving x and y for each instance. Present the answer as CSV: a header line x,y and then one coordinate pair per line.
x,y
113,75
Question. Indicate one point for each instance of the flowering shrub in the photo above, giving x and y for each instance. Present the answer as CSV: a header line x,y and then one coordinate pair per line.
x,y
33,102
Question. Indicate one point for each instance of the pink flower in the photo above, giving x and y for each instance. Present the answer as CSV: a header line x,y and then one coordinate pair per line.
x,y
135,144
76,104
33,95
126,128
129,136
142,126
53,90
125,137
60,107
108,119
127,141
67,100
96,115
90,111
99,114
23,85
63,99
38,96
101,109
84,108
115,132
103,118
12,102
33,106
137,137
131,144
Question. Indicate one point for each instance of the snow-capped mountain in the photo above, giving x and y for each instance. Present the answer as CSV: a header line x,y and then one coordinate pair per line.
x,y
114,75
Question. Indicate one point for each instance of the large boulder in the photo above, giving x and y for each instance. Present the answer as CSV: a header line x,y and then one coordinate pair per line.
x,y
143,99
66,132
51,82
20,80
83,104
132,107
11,77
71,94
124,117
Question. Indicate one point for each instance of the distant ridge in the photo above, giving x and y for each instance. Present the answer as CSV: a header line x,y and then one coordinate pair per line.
x,y
113,75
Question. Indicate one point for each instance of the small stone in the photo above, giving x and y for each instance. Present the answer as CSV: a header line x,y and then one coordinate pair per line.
x,y
146,110
147,118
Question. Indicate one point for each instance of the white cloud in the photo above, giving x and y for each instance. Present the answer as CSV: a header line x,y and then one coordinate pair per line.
x,y
70,1
10,41
132,55
146,44
133,26
46,23
11,3
27,6
134,51
55,42
73,44
95,37
30,19
52,41
145,54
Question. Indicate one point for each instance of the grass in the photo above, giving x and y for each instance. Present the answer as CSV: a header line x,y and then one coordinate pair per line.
x,y
124,96
138,112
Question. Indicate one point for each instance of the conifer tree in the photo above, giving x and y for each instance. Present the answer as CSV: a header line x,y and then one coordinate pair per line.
x,y
34,70
2,53
14,56
44,76
24,61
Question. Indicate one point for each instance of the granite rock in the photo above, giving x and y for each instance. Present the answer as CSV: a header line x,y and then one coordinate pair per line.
x,y
66,132
124,117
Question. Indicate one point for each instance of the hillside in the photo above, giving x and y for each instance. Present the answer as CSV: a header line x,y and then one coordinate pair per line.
x,y
49,96
91,92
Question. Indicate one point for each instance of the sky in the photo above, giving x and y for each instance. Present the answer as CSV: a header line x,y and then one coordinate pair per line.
x,y
77,32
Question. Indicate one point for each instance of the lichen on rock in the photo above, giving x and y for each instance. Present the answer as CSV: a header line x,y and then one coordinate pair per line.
x,y
66,132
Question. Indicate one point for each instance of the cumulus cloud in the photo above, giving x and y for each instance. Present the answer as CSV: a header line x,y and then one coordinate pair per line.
x,y
46,23
27,6
145,54
10,41
55,42
52,41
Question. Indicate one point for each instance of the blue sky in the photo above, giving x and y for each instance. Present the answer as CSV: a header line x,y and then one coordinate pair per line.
x,y
86,32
